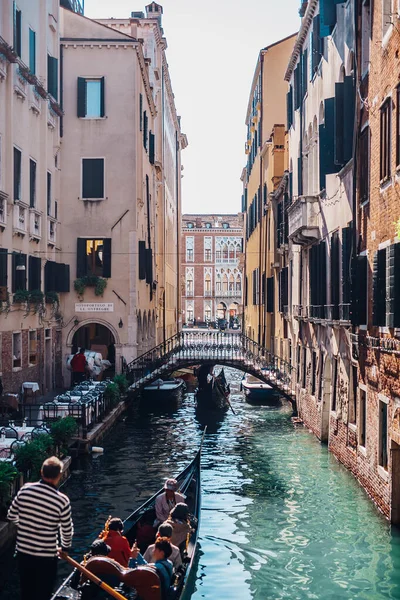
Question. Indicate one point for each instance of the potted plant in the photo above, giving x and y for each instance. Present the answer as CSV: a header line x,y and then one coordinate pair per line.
x,y
8,474
29,457
62,432
112,394
122,383
99,284
21,296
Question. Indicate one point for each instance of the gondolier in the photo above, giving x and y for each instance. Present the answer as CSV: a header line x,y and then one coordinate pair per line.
x,y
40,512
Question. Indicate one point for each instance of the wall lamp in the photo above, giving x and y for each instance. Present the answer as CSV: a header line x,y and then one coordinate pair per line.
x,y
120,324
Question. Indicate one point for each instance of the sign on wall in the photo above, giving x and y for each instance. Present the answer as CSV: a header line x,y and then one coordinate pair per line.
x,y
94,306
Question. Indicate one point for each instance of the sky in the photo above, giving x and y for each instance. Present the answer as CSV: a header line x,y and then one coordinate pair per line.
x,y
212,52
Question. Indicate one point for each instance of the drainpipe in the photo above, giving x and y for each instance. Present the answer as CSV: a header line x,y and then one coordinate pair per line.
x,y
355,161
259,200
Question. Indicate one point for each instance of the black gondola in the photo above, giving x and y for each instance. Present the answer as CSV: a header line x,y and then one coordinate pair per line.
x,y
213,394
190,485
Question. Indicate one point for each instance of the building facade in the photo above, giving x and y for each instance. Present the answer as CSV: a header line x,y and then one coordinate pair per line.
x,y
121,144
33,279
212,268
265,149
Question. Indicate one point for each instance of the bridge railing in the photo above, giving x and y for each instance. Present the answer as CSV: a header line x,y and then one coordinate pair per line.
x,y
200,346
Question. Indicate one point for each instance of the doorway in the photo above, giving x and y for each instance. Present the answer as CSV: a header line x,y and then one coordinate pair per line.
x,y
97,338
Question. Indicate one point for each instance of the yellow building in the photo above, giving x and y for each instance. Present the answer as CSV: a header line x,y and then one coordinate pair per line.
x,y
265,149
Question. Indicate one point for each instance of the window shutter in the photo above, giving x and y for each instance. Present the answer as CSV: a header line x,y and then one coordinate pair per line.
x,y
322,277
379,288
141,112
149,266
304,63
93,178
151,148
289,107
107,257
18,277
393,288
327,11
52,76
17,174
81,258
335,274
270,294
300,176
339,123
359,291
316,45
346,264
102,97
17,30
142,260
81,97
34,273
326,143
3,267
145,122
50,276
32,183
348,117
32,51
62,276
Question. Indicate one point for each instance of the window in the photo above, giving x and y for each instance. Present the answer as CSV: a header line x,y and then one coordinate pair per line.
x,y
353,386
32,183
17,30
207,281
225,225
189,312
32,51
364,165
321,375
17,174
52,76
335,283
94,257
363,418
92,178
32,359
90,97
383,434
16,350
385,149
207,249
304,372
298,358
314,373
334,384
48,191
18,272
3,273
207,314
365,36
189,248
387,17
56,277
145,129
34,273
189,282
256,290
386,287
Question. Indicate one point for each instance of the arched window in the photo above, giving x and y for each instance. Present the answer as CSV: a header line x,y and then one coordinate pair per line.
x,y
218,283
225,252
225,283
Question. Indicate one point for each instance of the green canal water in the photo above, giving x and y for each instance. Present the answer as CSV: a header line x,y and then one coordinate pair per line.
x,y
280,517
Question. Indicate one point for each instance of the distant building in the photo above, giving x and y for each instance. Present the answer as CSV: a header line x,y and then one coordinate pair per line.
x,y
211,267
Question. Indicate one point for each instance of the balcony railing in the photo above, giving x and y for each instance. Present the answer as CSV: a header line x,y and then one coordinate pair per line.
x,y
220,260
189,292
208,293
228,294
303,217
344,312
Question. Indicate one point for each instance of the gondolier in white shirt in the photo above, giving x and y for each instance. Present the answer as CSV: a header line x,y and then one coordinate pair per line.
x,y
41,514
168,500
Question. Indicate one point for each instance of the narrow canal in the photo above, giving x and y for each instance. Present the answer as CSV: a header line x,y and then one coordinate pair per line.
x,y
280,519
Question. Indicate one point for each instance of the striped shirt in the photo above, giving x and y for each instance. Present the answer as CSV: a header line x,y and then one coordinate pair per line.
x,y
41,512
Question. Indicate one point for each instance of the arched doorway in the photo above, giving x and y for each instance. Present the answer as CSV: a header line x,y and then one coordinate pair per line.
x,y
97,338
221,310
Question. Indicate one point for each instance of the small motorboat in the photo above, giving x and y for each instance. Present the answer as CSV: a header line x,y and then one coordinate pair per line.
x,y
258,392
147,584
213,391
161,390
188,376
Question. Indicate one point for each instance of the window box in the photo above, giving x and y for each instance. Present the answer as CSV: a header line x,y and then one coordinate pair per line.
x,y
35,224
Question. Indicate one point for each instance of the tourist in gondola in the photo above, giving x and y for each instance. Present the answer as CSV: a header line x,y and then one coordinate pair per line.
x,y
165,531
112,536
179,519
161,553
167,501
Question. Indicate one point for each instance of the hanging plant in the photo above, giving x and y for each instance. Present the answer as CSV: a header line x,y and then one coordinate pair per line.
x,y
99,284
52,298
5,305
21,296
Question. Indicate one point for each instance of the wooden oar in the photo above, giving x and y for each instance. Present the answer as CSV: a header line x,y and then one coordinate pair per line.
x,y
92,577
230,406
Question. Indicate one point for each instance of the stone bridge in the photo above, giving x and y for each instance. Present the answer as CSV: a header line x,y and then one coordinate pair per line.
x,y
232,349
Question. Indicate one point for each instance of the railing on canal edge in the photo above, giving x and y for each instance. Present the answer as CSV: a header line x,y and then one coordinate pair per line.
x,y
188,348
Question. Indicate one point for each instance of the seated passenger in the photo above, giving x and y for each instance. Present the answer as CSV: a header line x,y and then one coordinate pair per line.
x,y
161,553
179,519
165,502
112,535
165,531
98,548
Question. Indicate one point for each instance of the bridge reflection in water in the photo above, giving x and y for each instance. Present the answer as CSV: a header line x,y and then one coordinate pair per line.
x,y
233,349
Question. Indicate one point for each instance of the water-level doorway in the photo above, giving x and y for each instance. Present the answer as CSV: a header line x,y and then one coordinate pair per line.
x,y
97,338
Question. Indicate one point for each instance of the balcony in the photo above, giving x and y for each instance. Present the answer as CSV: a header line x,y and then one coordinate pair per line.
x,y
229,293
20,83
304,220
3,210
35,224
35,101
189,293
300,311
20,219
51,117
51,231
220,260
208,293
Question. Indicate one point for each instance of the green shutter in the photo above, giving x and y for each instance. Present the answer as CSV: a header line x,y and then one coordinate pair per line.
x,y
142,260
299,175
17,30
326,144
289,107
316,44
145,124
335,283
339,120
18,276
62,277
81,97
81,258
34,273
102,97
107,257
359,291
140,112
379,288
327,11
348,117
3,267
92,178
32,51
270,294
346,264
52,76
393,290
151,148
149,266
50,276
304,63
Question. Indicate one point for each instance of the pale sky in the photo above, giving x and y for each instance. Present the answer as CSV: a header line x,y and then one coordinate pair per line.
x,y
212,51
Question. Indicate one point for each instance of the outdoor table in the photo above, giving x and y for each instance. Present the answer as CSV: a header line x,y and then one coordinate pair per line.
x,y
29,390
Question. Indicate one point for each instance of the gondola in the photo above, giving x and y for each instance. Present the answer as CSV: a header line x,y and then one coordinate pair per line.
x,y
214,394
258,392
146,580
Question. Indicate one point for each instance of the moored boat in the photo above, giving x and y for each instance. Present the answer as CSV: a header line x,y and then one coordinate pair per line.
x,y
213,391
258,392
161,390
188,376
147,583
